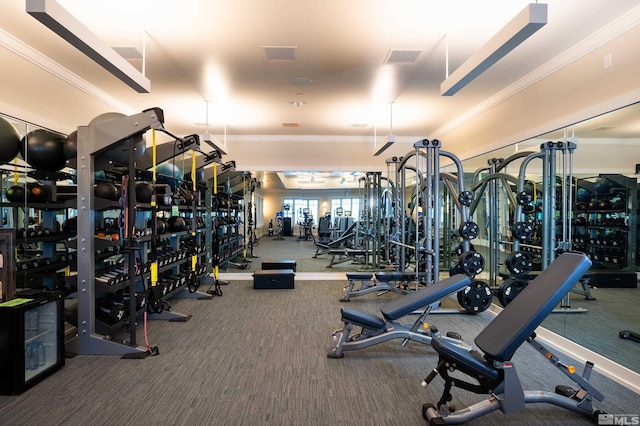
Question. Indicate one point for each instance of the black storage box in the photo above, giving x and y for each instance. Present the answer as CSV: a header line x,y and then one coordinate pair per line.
x,y
279,264
604,279
273,279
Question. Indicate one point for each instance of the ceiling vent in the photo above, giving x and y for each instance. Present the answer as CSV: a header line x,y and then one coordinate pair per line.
x,y
280,53
291,124
399,56
128,52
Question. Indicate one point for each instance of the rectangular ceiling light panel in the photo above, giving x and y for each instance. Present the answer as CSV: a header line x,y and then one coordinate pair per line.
x,y
280,53
61,22
527,22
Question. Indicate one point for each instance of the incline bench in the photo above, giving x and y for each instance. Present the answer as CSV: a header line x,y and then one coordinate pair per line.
x,y
494,372
394,281
377,330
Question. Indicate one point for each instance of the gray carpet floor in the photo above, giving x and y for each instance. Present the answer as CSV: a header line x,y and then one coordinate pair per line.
x,y
258,357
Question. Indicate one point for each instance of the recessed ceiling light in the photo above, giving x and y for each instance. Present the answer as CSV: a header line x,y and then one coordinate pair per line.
x,y
301,81
298,103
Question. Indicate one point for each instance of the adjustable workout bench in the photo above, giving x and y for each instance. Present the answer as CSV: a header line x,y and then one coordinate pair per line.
x,y
377,330
394,281
494,371
322,248
357,256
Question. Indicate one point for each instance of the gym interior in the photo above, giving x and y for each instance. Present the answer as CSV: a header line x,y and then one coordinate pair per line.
x,y
304,212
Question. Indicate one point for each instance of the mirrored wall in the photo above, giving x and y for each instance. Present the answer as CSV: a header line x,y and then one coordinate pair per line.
x,y
597,214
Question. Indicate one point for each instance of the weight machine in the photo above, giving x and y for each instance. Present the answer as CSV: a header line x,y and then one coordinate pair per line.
x,y
557,196
427,239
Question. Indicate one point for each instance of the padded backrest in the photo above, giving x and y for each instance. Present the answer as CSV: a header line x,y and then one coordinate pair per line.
x,y
500,339
406,304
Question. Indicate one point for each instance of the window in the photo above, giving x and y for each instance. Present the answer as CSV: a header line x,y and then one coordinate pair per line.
x,y
345,206
299,207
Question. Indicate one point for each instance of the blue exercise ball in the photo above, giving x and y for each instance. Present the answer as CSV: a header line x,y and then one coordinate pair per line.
x,y
9,141
583,195
170,174
199,176
604,185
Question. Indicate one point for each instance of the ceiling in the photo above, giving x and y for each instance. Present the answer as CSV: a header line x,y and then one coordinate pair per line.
x,y
214,65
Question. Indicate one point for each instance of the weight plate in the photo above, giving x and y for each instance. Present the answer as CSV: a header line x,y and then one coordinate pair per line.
x,y
471,263
522,230
509,289
523,198
460,248
455,269
465,198
519,263
476,297
469,230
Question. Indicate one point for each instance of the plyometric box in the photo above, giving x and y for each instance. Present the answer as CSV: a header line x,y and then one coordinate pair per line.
x,y
273,279
279,264
613,279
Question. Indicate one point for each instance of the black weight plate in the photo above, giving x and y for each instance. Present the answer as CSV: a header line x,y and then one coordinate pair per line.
x,y
509,289
522,230
455,269
469,230
476,297
465,198
471,263
460,248
523,198
519,263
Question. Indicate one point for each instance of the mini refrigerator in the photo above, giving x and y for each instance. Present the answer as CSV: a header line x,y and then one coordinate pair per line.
x,y
31,340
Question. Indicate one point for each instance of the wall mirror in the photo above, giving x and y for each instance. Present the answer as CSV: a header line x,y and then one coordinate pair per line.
x,y
603,223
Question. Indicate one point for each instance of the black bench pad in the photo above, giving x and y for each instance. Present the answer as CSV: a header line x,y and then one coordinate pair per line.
x,y
397,276
364,319
359,276
518,320
418,299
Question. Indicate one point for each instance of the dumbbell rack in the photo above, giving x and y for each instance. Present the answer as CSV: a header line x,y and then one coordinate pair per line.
x,y
606,232
121,133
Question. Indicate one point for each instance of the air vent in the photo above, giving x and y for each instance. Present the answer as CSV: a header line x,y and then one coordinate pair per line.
x,y
358,125
280,53
603,128
291,124
128,52
397,56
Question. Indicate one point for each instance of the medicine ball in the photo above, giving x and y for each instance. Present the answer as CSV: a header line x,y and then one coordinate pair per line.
x,y
120,153
176,224
160,225
70,226
170,174
44,150
16,194
144,192
70,146
37,193
9,141
107,190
